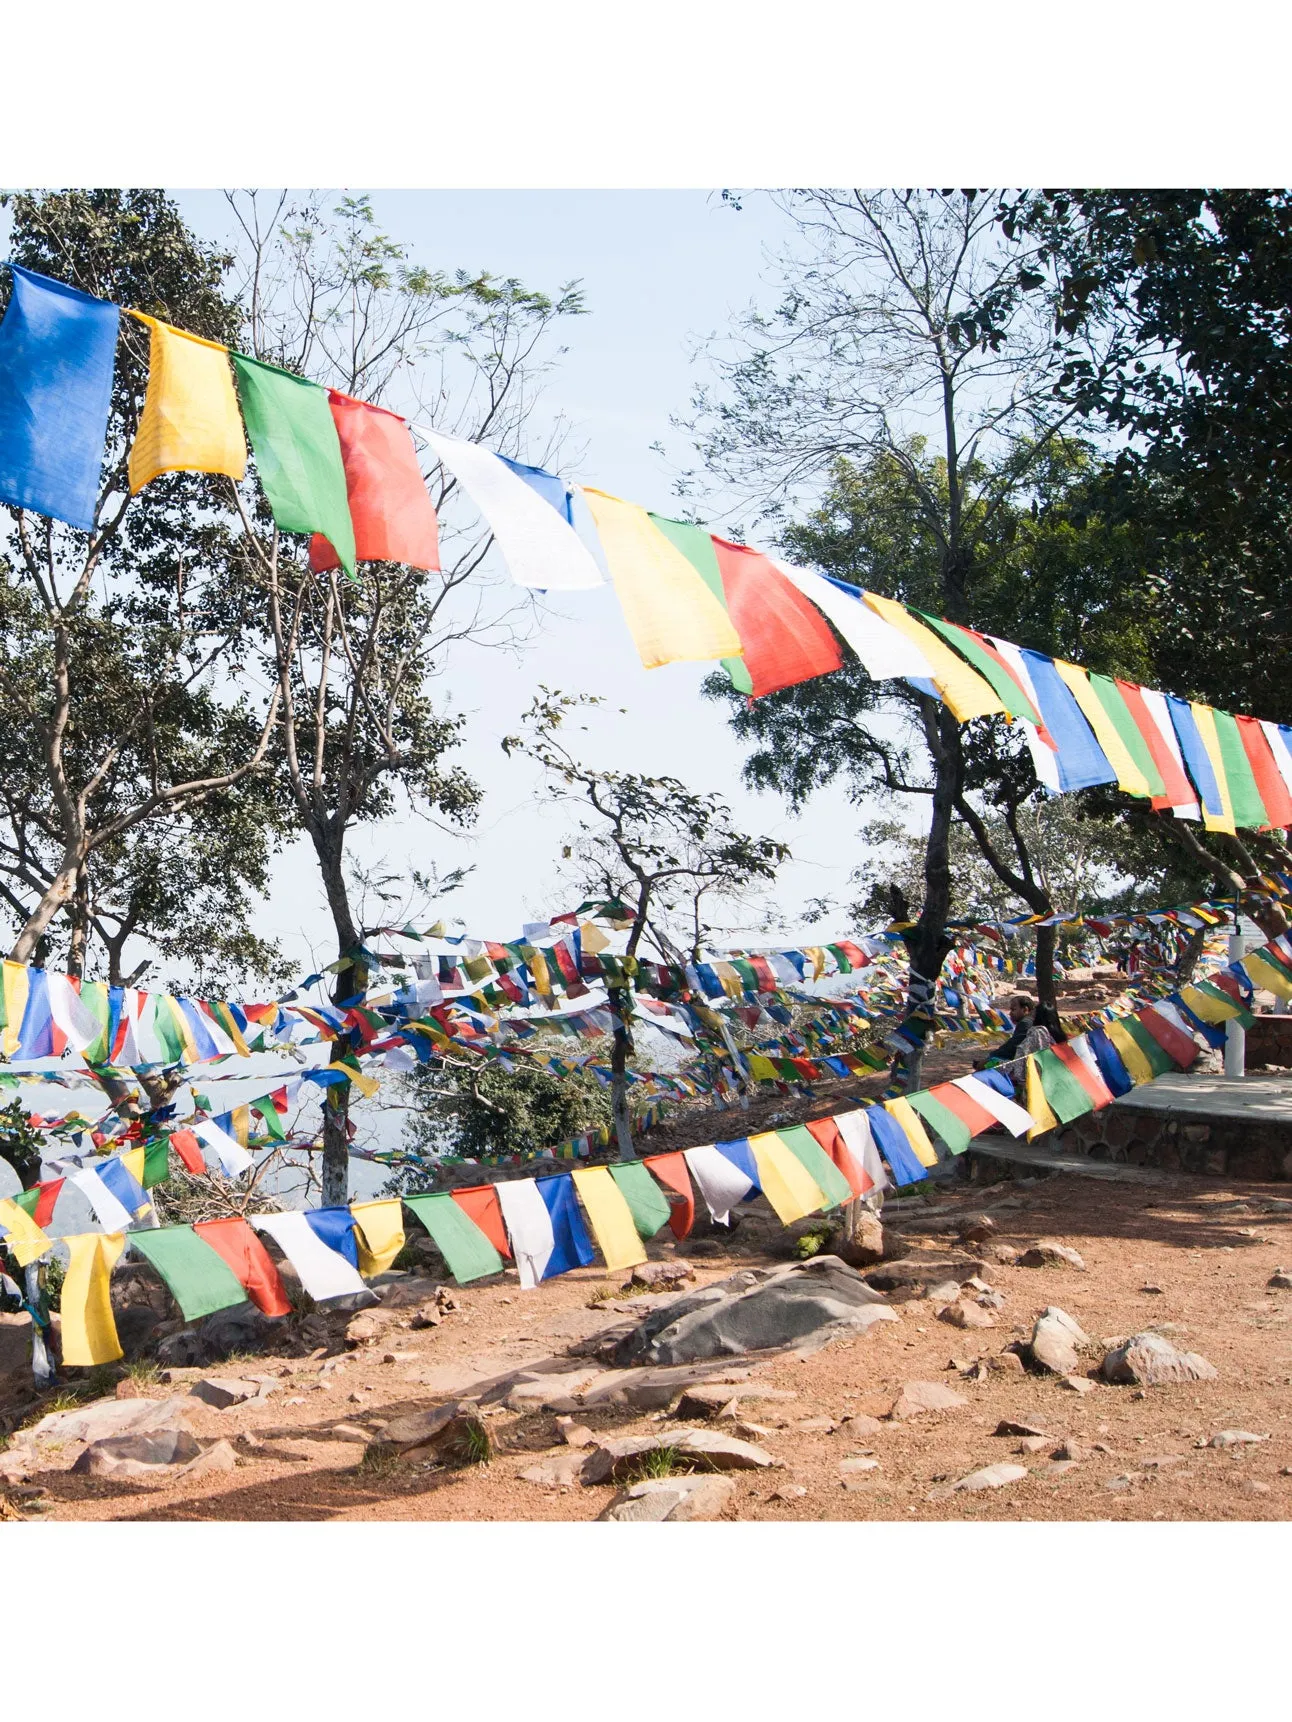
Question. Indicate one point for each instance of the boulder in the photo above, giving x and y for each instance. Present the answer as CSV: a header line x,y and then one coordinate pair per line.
x,y
557,1471
1150,1360
914,1275
1047,1253
819,1299
864,1244
918,1397
978,1230
1056,1341
993,1477
243,1328
128,1455
614,1460
965,1314
708,1400
103,1418
221,1394
721,1452
451,1434
671,1500
660,1276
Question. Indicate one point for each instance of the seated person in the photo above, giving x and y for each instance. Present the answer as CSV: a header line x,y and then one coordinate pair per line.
x,y
1035,1026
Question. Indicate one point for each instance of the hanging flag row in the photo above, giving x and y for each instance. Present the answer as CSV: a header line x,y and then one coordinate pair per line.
x,y
347,473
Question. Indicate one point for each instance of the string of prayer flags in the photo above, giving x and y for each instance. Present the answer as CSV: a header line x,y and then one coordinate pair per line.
x,y
390,507
298,454
57,356
89,1333
196,1275
468,1252
610,1217
241,1250
190,421
537,542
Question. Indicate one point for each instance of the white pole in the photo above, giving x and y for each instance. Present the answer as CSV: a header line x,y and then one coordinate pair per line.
x,y
1235,1037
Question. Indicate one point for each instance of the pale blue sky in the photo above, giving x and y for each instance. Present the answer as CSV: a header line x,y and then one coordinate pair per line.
x,y
658,269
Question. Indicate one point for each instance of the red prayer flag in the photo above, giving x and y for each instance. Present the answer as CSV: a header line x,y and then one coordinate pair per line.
x,y
971,1114
44,1209
672,1172
393,515
826,1133
480,1203
1179,791
784,638
189,1150
1094,1085
1269,779
1173,1041
234,1241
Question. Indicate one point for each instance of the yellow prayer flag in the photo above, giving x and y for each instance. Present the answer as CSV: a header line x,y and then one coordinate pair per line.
x,y
89,1332
786,1182
671,614
190,421
913,1129
1129,776
379,1233
1037,1104
1263,974
24,1238
16,987
1205,718
1208,1007
610,1217
1138,1067
967,694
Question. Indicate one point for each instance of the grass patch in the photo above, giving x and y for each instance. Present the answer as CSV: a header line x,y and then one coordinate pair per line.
x,y
377,1462
475,1447
658,1462
604,1294
143,1372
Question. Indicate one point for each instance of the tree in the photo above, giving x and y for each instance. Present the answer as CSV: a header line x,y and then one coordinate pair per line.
x,y
872,336
331,296
119,648
651,844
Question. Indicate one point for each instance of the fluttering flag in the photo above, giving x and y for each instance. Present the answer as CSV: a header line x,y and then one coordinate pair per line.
x,y
379,1233
539,546
1065,1092
788,1187
719,1180
978,651
22,1234
89,1333
1130,779
944,1118
833,1184
1266,769
547,1233
233,1157
1038,1103
854,1128
186,1146
323,1271
190,421
909,1121
390,507
468,1253
552,488
57,352
894,1146
335,1228
882,650
783,638
647,1203
298,454
610,1217
111,1213
479,1202
1198,761
966,693
241,1250
198,1278
671,1170
1244,792
671,614
1078,761
1181,796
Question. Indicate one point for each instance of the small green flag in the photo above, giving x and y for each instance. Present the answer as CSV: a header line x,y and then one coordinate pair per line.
x,y
805,1148
953,1131
199,1280
298,453
1067,1098
156,1161
468,1252
646,1201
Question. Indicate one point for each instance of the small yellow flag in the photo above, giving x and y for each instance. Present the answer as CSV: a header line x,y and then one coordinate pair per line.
x,y
190,421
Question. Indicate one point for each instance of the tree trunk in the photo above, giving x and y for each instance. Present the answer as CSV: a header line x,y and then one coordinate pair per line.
x,y
351,981
927,943
1046,940
1188,959
58,892
620,1004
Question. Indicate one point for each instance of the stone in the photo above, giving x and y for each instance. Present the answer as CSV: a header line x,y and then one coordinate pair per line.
x,y
659,1276
977,1230
363,1329
1061,1467
125,1455
913,1275
1005,1254
819,1300
348,1432
427,1316
219,1456
859,1424
1077,1451
864,1245
918,1397
1152,1291
964,1314
453,1433
1280,1280
1033,1444
993,1477
1007,1363
1011,1426
575,1434
725,1452
1150,1360
948,1291
817,1426
788,1492
1235,1438
858,1462
220,1394
1163,1461
549,1390
1048,1253
612,1460
705,1401
242,1329
1056,1340
409,1293
399,1357
1077,1384
671,1500
103,1418
559,1471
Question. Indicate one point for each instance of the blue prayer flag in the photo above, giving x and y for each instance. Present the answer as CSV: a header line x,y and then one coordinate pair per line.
x,y
335,1228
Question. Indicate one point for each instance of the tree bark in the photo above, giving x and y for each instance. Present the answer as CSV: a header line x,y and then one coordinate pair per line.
x,y
928,942
351,980
620,1004
1046,988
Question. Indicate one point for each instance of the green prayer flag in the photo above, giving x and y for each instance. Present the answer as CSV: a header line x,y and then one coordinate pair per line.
x,y
1159,1058
805,1148
156,1161
27,1200
1004,686
646,1201
697,546
466,1249
1244,792
267,1113
953,1131
1110,698
298,453
1067,1098
200,1281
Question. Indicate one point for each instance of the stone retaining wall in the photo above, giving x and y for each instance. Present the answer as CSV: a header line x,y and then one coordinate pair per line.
x,y
1243,1147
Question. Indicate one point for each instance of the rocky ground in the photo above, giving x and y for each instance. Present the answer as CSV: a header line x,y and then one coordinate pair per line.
x,y
492,1403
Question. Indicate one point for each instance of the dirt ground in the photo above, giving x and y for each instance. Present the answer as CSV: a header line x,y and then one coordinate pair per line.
x,y
1208,1248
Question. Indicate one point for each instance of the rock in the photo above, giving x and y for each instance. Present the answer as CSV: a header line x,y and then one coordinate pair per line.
x,y
912,1276
1076,1451
660,1276
817,1426
104,1418
1235,1438
860,1424
554,1391
858,1462
946,1292
990,1300
1280,1280
977,1230
427,1316
1061,1467
1010,1426
819,1299
399,1357
612,1460
1254,1487
451,1433
1153,1291
788,1492
129,1455
1047,1253
1152,1361
670,1500
560,1471
1055,1341
917,1397
1007,1362
1077,1384
964,1314
348,1432
221,1394
705,1400
1005,1254
363,1329
575,1434
724,1452
993,1477
865,1245
219,1456
409,1293
1163,1461
1033,1444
